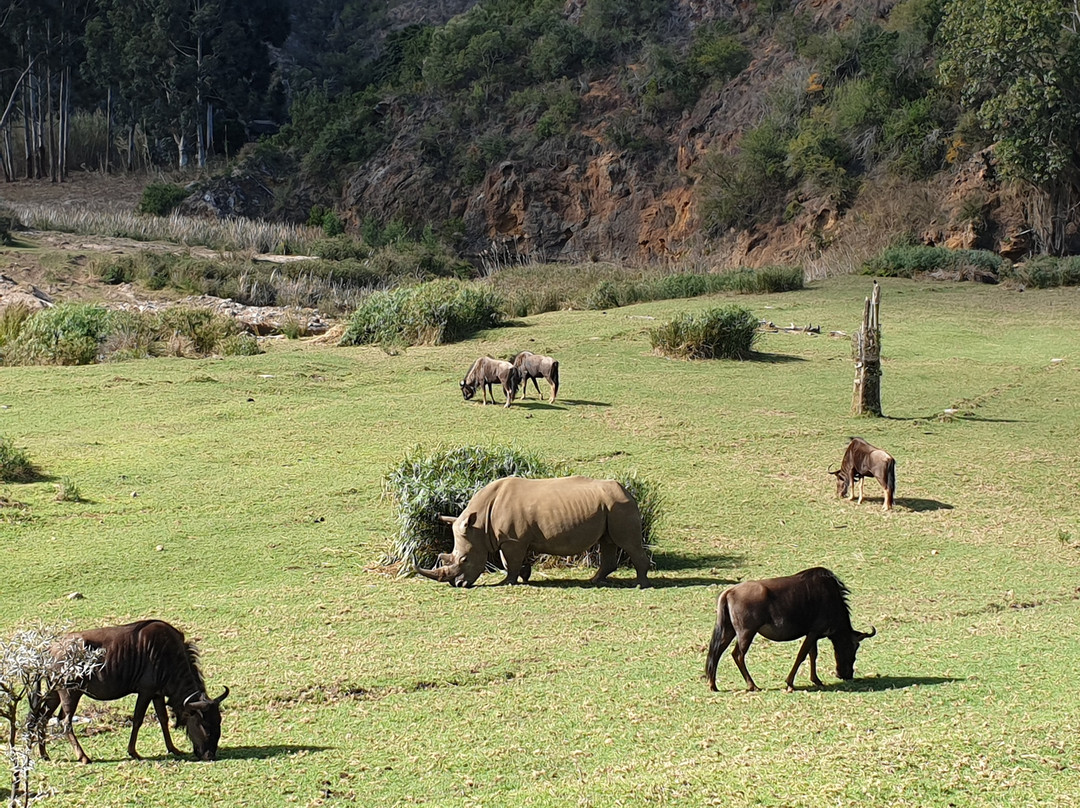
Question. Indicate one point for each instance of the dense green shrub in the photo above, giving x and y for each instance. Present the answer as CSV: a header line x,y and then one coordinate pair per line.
x,y
197,330
66,334
9,222
338,248
749,186
239,345
161,198
431,313
907,261
766,280
15,464
425,485
727,332
1047,271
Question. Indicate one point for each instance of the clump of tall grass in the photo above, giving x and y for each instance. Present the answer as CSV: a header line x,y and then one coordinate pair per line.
x,y
611,294
15,464
1047,271
12,319
236,234
80,334
432,313
907,261
425,485
68,491
725,332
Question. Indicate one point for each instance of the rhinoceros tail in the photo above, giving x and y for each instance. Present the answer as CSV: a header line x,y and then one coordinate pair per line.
x,y
723,634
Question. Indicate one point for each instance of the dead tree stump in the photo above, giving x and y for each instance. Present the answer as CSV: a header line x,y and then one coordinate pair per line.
x,y
866,350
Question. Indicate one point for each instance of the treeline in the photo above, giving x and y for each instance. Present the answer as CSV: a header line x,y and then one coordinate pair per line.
x,y
88,82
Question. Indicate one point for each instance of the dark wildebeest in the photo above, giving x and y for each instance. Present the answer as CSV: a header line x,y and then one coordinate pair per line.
x,y
152,659
534,366
811,604
484,372
863,460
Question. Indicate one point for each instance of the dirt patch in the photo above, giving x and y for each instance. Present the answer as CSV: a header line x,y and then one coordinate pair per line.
x,y
81,189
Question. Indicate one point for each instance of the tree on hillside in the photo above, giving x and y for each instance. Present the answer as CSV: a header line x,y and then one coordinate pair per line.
x,y
1017,63
175,62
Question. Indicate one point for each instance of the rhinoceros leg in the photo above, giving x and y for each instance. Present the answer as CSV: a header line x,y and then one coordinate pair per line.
x,y
624,529
609,560
514,561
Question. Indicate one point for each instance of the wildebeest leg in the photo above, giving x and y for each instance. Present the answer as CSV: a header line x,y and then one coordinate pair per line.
x,y
808,648
69,700
738,653
609,560
48,706
861,489
508,392
141,703
163,720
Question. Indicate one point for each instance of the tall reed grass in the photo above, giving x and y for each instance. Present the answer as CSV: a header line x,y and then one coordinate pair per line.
x,y
726,332
240,235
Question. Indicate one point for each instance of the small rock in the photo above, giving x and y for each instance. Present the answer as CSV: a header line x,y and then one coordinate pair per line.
x,y
160,547
134,494
76,596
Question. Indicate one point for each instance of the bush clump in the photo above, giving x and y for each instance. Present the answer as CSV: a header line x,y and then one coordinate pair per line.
x,y
425,485
1047,271
9,222
726,332
433,313
67,334
907,261
161,198
15,464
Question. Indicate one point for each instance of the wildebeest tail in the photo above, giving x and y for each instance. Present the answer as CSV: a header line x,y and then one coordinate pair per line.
x,y
723,633
554,379
890,478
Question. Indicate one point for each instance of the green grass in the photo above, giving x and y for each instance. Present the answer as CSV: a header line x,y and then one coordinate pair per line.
x,y
259,477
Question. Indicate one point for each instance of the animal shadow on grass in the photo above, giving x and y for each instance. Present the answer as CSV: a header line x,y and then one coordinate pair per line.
x,y
772,358
265,752
663,563
919,505
880,683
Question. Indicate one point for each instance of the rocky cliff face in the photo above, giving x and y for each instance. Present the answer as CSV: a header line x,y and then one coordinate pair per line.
x,y
590,200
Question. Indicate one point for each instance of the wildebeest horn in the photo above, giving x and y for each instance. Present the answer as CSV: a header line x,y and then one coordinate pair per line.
x,y
223,696
835,472
865,636
198,701
447,519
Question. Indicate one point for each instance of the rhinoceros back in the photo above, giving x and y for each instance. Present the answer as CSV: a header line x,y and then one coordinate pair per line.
x,y
560,516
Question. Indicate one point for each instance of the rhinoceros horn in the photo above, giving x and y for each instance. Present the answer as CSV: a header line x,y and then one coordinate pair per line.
x,y
442,574
447,519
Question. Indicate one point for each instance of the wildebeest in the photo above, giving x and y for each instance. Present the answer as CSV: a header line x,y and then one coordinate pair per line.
x,y
811,604
484,372
534,366
152,659
863,460
515,516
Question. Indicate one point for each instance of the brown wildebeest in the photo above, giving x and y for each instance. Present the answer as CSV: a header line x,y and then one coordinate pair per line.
x,y
484,372
862,460
811,604
534,366
152,659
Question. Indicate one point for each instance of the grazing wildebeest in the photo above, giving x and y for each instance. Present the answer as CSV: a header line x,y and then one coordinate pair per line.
x,y
811,604
152,659
534,366
515,516
863,460
484,372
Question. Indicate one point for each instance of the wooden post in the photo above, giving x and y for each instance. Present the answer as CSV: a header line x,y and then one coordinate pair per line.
x,y
866,350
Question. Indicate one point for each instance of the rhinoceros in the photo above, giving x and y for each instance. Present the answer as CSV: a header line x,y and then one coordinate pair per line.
x,y
515,516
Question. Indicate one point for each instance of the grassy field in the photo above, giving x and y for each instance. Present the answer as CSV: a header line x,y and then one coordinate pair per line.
x,y
240,500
